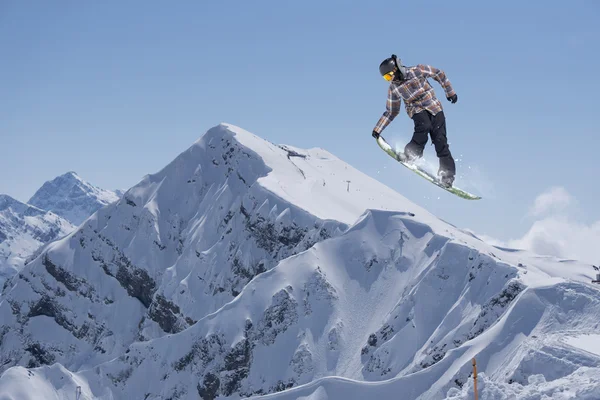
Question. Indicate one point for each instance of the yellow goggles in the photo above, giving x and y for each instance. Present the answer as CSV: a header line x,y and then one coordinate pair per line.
x,y
389,76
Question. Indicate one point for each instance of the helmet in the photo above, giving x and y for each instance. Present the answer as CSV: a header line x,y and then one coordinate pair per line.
x,y
392,65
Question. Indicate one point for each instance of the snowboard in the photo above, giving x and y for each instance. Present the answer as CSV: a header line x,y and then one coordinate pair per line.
x,y
400,157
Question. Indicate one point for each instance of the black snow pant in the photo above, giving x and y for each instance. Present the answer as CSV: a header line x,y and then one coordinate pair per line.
x,y
435,125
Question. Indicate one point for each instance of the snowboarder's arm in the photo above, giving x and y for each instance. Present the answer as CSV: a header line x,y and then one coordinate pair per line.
x,y
439,76
392,109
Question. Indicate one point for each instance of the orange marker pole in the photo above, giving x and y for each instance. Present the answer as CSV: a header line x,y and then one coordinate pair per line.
x,y
475,377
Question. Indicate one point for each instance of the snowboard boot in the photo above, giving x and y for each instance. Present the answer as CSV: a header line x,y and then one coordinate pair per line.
x,y
446,179
410,156
412,152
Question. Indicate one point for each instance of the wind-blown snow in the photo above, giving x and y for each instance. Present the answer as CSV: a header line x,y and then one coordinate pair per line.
x,y
249,269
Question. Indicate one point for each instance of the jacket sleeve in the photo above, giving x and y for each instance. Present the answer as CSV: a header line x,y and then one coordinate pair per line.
x,y
439,76
392,109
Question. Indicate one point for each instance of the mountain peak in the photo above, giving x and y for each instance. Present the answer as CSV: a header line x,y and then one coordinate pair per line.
x,y
71,175
67,179
71,197
313,179
7,201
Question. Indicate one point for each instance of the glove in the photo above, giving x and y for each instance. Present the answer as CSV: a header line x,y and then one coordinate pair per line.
x,y
453,98
375,135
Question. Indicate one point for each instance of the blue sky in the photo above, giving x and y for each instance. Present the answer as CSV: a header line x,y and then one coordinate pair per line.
x,y
115,90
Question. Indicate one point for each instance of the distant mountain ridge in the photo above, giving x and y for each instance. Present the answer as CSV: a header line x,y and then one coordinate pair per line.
x,y
54,211
23,230
72,198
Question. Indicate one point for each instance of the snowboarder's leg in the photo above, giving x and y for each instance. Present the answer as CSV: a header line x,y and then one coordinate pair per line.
x,y
447,168
414,148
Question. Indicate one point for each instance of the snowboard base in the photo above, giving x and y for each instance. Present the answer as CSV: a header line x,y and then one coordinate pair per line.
x,y
400,157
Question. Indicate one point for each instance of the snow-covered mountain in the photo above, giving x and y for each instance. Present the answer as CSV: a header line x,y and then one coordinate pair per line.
x,y
23,230
72,198
54,211
245,268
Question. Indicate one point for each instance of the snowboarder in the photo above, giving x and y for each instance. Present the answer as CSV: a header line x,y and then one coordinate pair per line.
x,y
422,106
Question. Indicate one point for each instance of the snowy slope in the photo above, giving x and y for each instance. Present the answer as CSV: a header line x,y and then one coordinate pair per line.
x,y
246,268
179,245
391,299
23,230
72,198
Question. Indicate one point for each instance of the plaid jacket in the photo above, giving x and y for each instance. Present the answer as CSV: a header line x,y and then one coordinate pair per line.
x,y
417,93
